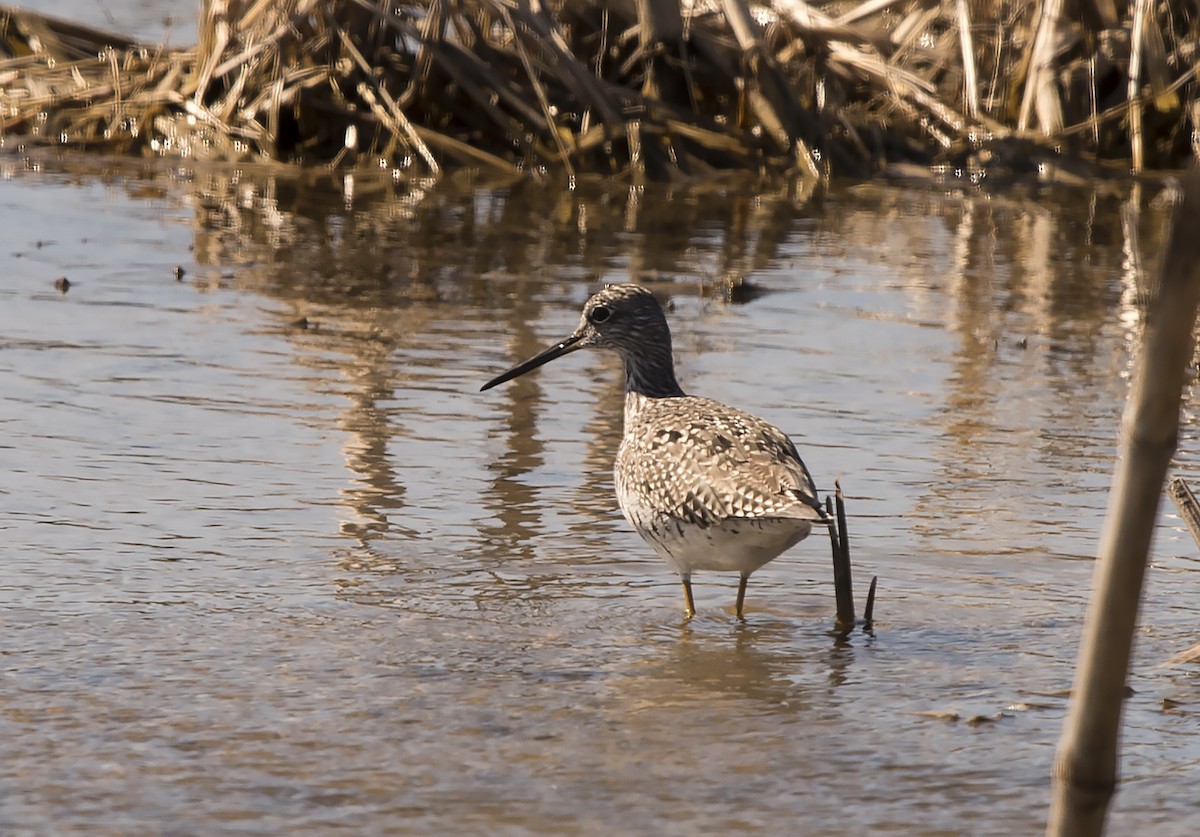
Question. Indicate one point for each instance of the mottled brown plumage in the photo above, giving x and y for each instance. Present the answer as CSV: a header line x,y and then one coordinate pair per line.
x,y
709,486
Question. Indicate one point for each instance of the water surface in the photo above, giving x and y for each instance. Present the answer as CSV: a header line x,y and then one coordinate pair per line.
x,y
272,564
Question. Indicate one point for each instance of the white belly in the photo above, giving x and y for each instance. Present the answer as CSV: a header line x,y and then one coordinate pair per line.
x,y
740,545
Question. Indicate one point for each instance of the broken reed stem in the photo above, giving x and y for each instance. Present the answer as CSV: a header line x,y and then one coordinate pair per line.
x,y
970,83
1185,503
1138,37
564,156
393,117
1040,94
431,35
1123,109
843,585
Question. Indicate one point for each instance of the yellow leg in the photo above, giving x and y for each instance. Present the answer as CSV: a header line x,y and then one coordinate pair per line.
x,y
742,595
689,606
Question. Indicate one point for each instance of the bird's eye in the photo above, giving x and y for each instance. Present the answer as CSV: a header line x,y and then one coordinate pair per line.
x,y
599,314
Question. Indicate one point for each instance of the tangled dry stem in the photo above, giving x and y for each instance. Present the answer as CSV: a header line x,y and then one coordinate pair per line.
x,y
633,89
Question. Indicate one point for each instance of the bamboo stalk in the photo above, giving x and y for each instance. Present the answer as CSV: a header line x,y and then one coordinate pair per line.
x,y
1085,770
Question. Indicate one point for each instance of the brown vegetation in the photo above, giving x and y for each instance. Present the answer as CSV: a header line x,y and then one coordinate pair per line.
x,y
633,88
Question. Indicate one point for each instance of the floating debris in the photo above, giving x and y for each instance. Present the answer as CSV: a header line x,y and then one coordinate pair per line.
x,y
983,720
939,714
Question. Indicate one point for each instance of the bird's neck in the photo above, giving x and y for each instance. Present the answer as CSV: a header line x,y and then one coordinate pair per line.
x,y
651,373
648,376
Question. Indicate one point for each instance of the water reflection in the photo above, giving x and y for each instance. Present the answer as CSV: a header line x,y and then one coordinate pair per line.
x,y
377,284
1036,296
699,666
1039,315
1040,299
436,585
520,450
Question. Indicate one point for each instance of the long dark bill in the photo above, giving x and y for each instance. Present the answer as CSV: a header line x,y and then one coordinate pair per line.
x,y
558,350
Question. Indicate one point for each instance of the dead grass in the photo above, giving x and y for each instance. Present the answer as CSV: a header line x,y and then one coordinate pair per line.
x,y
631,89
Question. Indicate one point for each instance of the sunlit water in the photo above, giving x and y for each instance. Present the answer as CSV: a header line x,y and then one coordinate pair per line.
x,y
272,564
151,22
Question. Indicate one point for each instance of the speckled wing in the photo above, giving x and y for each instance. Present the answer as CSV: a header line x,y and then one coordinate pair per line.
x,y
702,462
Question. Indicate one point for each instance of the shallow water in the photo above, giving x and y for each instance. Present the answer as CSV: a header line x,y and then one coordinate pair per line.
x,y
149,21
273,564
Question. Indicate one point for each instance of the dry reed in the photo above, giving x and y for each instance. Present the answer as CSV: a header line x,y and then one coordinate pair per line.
x,y
632,89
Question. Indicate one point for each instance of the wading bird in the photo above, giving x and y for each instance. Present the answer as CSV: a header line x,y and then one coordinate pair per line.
x,y
709,486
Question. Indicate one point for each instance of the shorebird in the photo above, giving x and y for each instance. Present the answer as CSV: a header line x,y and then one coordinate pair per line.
x,y
708,486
